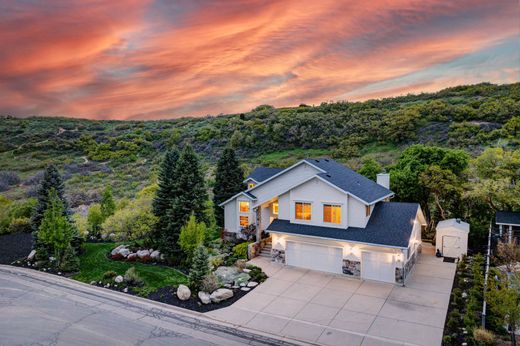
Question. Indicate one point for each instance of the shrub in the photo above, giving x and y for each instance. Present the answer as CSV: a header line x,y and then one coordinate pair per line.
x,y
446,340
210,283
216,261
199,268
95,219
483,336
109,275
256,274
240,250
191,236
132,278
69,262
9,178
20,225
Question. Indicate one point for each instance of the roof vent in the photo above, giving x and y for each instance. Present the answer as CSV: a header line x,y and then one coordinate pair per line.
x,y
316,160
328,175
326,160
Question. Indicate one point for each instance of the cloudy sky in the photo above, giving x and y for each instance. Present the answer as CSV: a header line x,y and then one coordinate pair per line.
x,y
143,59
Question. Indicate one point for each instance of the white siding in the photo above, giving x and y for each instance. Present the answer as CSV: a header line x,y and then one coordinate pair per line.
x,y
356,213
284,206
282,183
230,214
318,193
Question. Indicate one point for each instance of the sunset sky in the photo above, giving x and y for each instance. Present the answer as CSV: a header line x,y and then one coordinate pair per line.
x,y
133,59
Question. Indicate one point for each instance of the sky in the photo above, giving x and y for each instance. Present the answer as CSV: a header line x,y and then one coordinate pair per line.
x,y
143,59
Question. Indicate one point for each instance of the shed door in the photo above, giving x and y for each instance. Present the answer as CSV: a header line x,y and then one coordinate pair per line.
x,y
315,257
377,266
451,246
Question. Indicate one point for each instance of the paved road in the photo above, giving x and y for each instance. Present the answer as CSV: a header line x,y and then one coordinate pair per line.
x,y
42,309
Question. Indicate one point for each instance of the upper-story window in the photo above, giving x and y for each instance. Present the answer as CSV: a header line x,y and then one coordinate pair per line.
x,y
368,210
302,211
332,213
244,207
250,185
275,208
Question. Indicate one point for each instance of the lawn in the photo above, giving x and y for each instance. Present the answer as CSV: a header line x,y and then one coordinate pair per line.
x,y
286,158
94,262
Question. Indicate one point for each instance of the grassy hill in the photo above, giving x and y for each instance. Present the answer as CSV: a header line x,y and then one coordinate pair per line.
x,y
92,154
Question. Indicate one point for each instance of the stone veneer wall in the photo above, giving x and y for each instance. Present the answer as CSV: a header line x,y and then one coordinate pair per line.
x,y
402,273
352,268
278,256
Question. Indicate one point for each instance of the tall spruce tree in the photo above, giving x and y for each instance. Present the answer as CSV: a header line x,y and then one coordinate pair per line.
x,y
51,180
229,180
190,196
165,194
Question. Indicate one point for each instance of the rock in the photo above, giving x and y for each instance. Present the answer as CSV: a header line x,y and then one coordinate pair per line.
x,y
204,297
242,278
220,295
125,289
119,279
124,252
59,273
227,275
112,235
155,255
143,253
103,236
31,255
242,284
131,257
245,289
183,292
93,282
246,270
116,250
227,285
252,284
235,286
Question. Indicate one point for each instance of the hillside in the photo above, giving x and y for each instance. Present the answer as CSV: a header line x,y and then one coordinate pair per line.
x,y
124,154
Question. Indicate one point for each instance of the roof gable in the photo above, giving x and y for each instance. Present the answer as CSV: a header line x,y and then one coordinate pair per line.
x,y
263,173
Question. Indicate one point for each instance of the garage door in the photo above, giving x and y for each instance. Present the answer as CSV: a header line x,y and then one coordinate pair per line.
x,y
450,246
315,257
377,266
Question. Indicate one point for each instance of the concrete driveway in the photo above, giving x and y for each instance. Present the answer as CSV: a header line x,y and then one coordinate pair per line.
x,y
329,309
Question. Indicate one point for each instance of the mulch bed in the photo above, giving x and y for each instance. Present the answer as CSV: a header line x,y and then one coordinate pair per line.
x,y
14,247
167,295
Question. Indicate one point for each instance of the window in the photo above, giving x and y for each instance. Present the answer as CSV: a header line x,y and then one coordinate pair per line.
x,y
244,221
244,207
303,211
275,208
332,213
250,185
367,211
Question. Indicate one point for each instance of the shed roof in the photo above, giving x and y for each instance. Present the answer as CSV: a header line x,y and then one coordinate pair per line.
x,y
453,223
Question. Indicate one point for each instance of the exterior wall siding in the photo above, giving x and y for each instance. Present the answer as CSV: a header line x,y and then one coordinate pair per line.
x,y
230,216
356,213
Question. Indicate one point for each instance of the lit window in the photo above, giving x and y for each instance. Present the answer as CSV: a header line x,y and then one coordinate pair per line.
x,y
250,185
244,207
332,213
367,211
303,211
244,221
275,208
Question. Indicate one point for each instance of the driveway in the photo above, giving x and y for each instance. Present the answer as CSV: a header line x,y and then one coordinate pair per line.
x,y
328,309
43,309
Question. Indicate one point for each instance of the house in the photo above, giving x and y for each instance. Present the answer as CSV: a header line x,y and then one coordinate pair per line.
x,y
508,223
324,216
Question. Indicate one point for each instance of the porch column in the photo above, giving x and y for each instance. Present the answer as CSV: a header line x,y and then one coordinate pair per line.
x,y
500,231
510,233
258,221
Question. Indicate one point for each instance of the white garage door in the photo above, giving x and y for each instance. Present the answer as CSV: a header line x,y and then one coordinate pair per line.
x,y
377,266
315,257
451,246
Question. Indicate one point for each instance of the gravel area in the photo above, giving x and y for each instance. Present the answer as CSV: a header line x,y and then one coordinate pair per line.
x,y
14,247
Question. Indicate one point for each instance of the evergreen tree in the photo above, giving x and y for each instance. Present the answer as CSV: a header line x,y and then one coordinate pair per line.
x,y
56,232
108,206
163,200
190,196
192,236
51,180
229,180
199,268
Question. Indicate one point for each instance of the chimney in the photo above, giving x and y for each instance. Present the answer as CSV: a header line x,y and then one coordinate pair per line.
x,y
383,179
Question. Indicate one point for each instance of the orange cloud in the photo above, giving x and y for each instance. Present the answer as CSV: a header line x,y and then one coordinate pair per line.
x,y
140,59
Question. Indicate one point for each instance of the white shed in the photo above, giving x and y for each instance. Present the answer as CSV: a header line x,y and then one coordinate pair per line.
x,y
452,238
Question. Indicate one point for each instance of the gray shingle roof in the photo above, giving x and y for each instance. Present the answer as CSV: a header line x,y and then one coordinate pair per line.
x,y
390,224
350,181
508,218
263,173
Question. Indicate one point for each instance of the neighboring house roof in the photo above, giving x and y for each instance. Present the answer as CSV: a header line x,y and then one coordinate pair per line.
x,y
507,218
349,181
263,173
391,224
453,223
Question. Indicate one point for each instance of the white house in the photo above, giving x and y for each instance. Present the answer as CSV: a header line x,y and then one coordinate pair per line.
x,y
323,216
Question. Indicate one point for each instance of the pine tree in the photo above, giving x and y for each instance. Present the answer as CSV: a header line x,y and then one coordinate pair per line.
x,y
56,232
229,180
108,206
51,180
199,268
190,196
164,197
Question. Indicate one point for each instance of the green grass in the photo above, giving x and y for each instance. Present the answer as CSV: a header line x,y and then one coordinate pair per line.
x,y
94,262
288,157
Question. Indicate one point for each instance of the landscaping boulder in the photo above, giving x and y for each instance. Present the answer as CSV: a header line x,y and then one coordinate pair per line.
x,y
252,284
155,255
116,250
227,275
242,279
119,279
131,257
245,289
220,295
183,292
124,252
143,253
31,255
204,297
